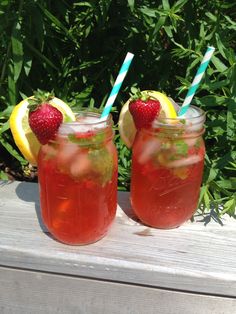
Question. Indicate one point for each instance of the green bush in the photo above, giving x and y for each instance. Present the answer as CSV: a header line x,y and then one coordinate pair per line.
x,y
75,48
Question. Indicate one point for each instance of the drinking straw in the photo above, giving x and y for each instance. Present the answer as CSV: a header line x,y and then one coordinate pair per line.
x,y
117,85
194,86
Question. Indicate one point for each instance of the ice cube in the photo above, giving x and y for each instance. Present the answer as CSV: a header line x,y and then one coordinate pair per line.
x,y
194,121
80,165
49,151
190,160
66,153
65,156
149,148
190,113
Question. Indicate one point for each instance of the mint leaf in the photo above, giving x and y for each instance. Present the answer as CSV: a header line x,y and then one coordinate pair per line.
x,y
102,163
181,148
90,140
77,140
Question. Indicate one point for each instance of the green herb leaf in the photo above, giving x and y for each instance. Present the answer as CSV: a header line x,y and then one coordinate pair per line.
x,y
181,148
102,163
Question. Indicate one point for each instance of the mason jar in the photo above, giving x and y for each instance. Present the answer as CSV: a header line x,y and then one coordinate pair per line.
x,y
167,169
78,180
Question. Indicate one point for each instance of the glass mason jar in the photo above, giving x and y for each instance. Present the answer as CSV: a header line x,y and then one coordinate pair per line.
x,y
78,180
167,169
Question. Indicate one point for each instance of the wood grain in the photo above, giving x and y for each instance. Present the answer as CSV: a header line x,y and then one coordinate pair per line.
x,y
195,257
29,292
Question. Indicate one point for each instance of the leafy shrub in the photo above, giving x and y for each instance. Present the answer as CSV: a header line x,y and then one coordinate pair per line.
x,y
76,48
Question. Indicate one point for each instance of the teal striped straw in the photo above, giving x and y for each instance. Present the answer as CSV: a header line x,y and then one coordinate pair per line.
x,y
194,86
117,85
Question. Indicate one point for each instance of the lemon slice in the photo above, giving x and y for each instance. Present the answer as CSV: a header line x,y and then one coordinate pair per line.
x,y
23,136
126,124
67,113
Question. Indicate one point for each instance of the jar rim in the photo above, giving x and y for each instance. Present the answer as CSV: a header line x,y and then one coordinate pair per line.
x,y
95,123
184,122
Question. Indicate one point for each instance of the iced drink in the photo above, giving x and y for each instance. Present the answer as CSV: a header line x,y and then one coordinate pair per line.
x,y
78,180
167,168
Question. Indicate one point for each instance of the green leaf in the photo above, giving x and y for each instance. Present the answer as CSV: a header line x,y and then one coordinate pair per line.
x,y
231,120
227,184
211,16
220,66
215,85
5,127
168,30
17,50
231,22
181,148
131,4
206,200
220,46
102,163
229,206
166,5
38,25
149,12
11,84
226,159
55,20
6,112
203,190
232,84
3,175
41,56
212,175
158,26
27,64
178,5
12,151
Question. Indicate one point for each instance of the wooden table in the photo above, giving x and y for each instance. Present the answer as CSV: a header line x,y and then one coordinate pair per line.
x,y
134,269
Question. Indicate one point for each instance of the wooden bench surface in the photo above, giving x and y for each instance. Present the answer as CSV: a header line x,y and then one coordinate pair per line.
x,y
197,259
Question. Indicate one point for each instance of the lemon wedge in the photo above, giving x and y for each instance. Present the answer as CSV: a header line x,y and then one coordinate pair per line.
x,y
126,124
23,136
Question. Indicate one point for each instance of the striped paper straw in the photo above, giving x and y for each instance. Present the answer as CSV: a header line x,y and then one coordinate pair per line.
x,y
194,86
117,85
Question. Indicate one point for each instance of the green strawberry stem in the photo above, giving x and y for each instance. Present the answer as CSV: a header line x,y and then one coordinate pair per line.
x,y
39,97
137,94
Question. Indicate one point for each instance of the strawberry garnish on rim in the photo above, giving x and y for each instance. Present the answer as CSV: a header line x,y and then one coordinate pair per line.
x,y
144,109
44,119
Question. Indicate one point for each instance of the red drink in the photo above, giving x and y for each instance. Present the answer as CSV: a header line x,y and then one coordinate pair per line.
x,y
167,168
78,182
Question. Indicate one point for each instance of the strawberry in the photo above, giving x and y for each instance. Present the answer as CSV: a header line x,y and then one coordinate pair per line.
x,y
144,110
44,119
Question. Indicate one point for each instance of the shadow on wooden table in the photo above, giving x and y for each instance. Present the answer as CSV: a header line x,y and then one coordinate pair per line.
x,y
206,218
30,193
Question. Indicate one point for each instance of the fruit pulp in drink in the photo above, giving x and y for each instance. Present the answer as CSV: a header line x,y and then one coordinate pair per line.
x,y
166,178
78,185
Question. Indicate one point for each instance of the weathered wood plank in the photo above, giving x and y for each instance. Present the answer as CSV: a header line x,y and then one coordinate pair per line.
x,y
27,292
194,257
